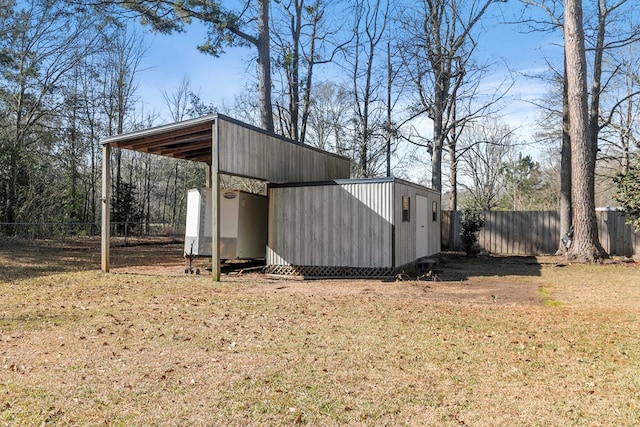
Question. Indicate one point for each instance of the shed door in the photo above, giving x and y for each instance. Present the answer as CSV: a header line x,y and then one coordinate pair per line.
x,y
422,226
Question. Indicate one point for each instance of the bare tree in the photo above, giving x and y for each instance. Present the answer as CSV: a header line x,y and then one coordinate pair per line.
x,y
121,62
121,65
302,41
465,111
484,148
178,101
622,136
371,21
554,22
69,79
604,42
556,127
328,121
246,24
90,89
74,145
441,43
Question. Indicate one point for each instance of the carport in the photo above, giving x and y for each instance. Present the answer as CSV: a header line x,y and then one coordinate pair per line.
x,y
226,146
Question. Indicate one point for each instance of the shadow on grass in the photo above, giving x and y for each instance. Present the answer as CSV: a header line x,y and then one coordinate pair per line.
x,y
23,259
455,266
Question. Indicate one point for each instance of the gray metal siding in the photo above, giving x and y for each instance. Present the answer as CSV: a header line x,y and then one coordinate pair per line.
x,y
405,232
331,225
435,227
248,152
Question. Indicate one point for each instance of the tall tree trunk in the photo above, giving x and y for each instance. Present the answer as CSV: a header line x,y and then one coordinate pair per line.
x,y
586,246
369,28
452,143
306,102
596,86
294,98
147,193
453,180
94,177
447,32
174,213
436,148
565,171
117,152
264,67
388,124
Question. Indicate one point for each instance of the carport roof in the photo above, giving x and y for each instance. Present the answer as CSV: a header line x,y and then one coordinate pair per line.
x,y
189,140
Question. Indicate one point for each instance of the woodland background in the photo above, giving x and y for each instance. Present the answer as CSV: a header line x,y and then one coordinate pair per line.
x,y
340,81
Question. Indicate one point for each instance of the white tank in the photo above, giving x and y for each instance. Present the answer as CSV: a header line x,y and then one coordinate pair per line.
x,y
243,224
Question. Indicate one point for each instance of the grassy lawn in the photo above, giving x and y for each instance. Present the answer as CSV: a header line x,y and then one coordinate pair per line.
x,y
492,342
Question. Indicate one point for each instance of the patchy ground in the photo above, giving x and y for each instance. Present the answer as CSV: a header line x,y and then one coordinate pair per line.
x,y
161,257
491,341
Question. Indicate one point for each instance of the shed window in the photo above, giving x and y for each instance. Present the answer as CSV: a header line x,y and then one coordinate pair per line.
x,y
434,211
406,205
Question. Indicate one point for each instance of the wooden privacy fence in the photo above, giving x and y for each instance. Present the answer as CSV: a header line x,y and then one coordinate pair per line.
x,y
537,233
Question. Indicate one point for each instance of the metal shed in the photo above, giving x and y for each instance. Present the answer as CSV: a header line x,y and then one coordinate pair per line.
x,y
351,227
229,147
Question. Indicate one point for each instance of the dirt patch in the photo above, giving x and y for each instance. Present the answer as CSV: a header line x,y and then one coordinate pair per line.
x,y
450,280
445,285
21,258
463,292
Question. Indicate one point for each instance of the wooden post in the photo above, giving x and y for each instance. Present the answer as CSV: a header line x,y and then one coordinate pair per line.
x,y
207,172
215,204
106,206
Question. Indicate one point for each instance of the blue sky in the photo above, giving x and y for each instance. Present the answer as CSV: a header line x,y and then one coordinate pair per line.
x,y
170,57
218,80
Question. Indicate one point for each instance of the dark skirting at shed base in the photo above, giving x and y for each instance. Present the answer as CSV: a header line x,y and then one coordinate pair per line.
x,y
336,272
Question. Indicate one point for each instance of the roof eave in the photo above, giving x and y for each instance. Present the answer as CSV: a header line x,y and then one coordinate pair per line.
x,y
114,140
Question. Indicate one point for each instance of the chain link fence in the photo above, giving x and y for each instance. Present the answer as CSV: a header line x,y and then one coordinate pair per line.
x,y
63,230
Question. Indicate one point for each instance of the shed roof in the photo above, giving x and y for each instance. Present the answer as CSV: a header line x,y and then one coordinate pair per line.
x,y
240,149
189,140
362,181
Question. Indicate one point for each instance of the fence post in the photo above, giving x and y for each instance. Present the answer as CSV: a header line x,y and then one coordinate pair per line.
x,y
444,230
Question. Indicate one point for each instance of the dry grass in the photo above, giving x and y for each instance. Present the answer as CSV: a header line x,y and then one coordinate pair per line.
x,y
501,341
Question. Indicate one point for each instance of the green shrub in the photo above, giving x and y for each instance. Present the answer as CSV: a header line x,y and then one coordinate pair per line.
x,y
628,194
472,220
